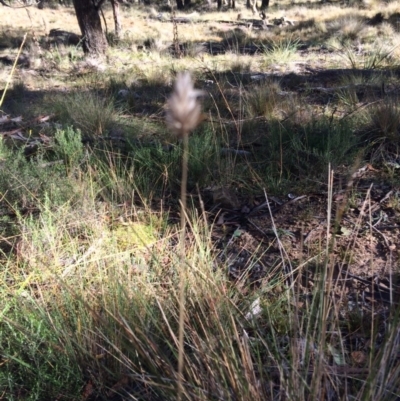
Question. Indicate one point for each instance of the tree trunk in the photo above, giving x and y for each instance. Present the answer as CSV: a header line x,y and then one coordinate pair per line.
x,y
264,4
219,4
117,19
87,13
179,4
187,3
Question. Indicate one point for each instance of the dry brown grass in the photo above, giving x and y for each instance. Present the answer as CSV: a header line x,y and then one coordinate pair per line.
x,y
332,25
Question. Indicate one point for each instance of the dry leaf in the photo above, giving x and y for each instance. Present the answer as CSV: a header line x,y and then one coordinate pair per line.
x,y
255,309
359,357
121,384
4,119
43,119
88,390
338,356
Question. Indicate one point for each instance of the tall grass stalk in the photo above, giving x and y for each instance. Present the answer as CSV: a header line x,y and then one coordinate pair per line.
x,y
12,70
183,116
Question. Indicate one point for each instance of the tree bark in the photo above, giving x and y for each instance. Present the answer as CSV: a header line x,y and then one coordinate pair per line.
x,y
219,4
87,13
264,4
179,4
117,19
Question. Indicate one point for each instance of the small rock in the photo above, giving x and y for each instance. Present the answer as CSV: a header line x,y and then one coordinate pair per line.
x,y
226,197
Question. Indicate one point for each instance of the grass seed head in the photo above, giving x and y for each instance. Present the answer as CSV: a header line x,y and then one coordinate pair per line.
x,y
184,110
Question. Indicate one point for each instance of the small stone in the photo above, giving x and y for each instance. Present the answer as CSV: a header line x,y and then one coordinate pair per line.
x,y
226,197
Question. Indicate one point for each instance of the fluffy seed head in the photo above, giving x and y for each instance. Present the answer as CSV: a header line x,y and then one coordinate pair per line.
x,y
184,110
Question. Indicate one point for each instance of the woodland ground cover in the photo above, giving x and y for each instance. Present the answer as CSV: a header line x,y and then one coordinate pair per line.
x,y
292,256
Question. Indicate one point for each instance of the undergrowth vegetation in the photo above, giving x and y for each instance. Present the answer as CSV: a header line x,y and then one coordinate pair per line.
x,y
90,247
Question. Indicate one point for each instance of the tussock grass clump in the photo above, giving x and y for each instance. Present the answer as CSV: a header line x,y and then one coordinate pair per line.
x,y
377,57
385,122
238,64
291,149
280,52
62,57
261,100
92,114
155,77
234,41
27,183
349,28
157,46
153,169
386,30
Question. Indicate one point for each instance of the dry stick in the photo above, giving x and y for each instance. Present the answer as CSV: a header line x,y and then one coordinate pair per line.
x,y
12,70
178,52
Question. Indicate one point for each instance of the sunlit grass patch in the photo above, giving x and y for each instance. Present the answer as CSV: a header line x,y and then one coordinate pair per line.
x,y
281,51
348,28
376,57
